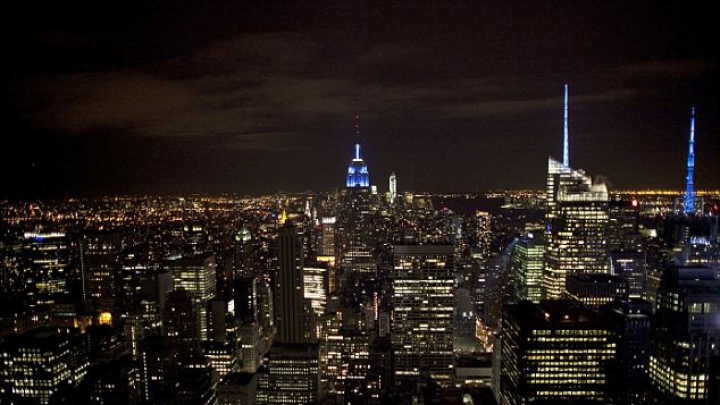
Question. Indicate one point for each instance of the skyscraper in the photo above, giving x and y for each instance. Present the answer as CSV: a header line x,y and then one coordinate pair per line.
x,y
527,264
100,266
196,274
631,321
393,188
45,274
289,373
576,226
357,175
37,362
685,335
556,352
423,317
289,292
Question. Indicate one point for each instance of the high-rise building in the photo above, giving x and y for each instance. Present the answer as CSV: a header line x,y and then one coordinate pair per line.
x,y
327,250
38,362
423,281
100,268
595,289
483,233
556,352
315,288
527,263
182,324
576,219
238,389
196,275
242,257
158,370
289,375
196,386
393,188
631,267
685,335
290,303
623,222
358,175
45,272
631,321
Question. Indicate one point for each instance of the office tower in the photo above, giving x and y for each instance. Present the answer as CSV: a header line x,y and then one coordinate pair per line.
x,y
685,335
315,288
38,362
221,320
689,207
576,219
104,344
196,386
158,370
358,175
242,258
527,263
423,282
45,270
289,375
134,264
249,344
494,297
327,250
356,232
483,233
196,275
345,356
630,319
631,267
182,325
354,219
195,240
595,290
100,269
221,347
290,303
623,220
238,389
556,352
393,188
110,383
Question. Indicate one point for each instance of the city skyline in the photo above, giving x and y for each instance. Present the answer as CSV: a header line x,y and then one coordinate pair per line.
x,y
234,98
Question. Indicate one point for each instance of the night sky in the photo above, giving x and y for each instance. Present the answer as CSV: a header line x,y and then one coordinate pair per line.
x,y
180,97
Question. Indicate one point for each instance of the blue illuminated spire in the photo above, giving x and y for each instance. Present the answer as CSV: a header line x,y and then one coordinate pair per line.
x,y
690,187
566,147
358,175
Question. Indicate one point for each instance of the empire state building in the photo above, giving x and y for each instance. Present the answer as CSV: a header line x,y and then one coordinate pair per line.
x,y
357,175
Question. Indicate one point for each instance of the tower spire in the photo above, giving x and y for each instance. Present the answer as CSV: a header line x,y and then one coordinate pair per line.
x,y
566,147
689,186
357,136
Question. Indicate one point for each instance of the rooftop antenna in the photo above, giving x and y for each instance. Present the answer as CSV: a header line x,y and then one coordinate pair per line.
x,y
689,186
566,148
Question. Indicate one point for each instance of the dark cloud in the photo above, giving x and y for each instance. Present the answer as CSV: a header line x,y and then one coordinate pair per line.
x,y
477,88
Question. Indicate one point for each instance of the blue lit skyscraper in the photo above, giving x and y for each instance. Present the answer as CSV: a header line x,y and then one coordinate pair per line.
x,y
690,188
358,175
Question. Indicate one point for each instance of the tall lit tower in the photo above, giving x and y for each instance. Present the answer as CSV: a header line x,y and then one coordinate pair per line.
x,y
393,188
690,188
358,175
566,147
